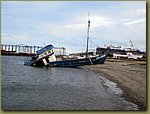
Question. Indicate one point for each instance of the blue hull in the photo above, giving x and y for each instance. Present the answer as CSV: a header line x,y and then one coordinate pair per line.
x,y
79,62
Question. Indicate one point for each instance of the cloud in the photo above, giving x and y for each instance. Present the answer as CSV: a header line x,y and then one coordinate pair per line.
x,y
125,20
95,21
76,26
134,22
14,38
140,11
135,12
65,23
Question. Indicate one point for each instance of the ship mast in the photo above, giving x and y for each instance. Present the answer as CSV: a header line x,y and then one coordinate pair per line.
x,y
88,34
131,45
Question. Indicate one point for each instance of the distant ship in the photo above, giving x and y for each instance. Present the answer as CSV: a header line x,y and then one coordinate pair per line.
x,y
118,51
113,50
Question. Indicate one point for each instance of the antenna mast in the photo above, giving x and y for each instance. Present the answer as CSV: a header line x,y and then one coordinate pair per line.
x,y
88,34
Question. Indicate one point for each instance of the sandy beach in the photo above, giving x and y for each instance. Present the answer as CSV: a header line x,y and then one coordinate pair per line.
x,y
130,76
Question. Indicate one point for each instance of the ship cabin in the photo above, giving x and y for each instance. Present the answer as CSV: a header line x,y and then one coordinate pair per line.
x,y
46,54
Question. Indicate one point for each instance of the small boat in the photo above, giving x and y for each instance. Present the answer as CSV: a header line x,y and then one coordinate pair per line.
x,y
128,56
46,57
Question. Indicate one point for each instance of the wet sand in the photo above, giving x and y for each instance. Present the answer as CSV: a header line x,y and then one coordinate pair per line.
x,y
130,76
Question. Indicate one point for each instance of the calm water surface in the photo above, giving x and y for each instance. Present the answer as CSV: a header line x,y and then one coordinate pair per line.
x,y
55,88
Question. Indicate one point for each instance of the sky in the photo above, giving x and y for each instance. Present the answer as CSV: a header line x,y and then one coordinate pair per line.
x,y
64,23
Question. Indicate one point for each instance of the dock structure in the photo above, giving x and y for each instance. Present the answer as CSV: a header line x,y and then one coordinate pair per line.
x,y
26,49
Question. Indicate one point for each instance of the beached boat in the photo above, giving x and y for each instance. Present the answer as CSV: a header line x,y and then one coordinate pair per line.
x,y
128,56
46,57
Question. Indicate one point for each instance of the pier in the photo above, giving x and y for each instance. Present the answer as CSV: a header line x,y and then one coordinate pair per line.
x,y
26,50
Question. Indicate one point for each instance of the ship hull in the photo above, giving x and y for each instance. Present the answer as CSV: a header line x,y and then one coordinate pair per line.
x,y
68,63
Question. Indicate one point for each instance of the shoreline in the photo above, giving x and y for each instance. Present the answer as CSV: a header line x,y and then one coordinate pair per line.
x,y
130,76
